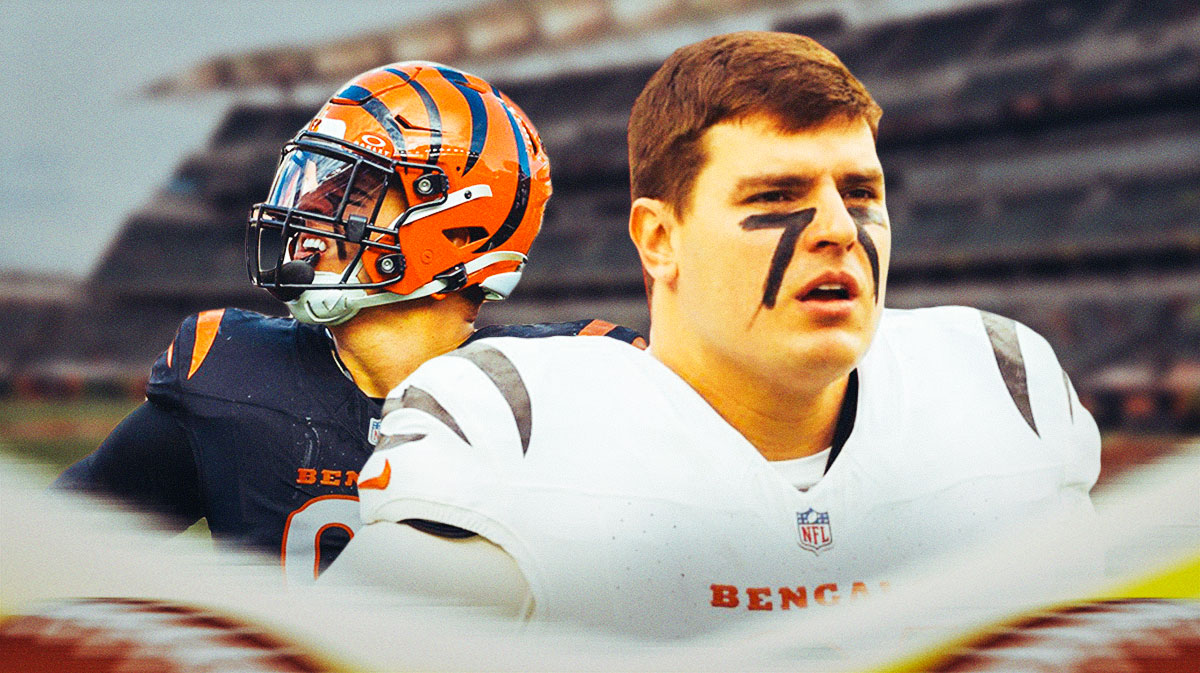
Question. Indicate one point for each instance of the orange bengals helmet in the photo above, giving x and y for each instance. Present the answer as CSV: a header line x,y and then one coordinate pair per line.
x,y
467,162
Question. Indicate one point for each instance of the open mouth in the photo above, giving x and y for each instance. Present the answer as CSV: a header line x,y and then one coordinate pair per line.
x,y
827,292
309,249
831,286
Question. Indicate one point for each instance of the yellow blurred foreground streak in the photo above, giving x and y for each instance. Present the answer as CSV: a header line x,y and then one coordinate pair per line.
x,y
1017,602
1146,616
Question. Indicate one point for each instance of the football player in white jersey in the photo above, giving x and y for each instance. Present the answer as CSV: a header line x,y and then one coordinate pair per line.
x,y
784,446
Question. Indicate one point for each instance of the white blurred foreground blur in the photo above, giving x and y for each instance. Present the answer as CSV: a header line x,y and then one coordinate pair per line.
x,y
54,548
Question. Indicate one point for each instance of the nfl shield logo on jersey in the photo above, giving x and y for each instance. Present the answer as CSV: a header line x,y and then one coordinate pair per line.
x,y
814,530
373,431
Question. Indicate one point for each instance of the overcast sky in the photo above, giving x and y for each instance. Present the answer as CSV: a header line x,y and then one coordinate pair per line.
x,y
80,149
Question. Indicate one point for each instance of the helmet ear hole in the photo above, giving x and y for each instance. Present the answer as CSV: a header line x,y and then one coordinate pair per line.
x,y
464,236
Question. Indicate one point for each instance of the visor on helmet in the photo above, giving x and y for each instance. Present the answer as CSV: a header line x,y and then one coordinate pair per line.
x,y
322,190
322,186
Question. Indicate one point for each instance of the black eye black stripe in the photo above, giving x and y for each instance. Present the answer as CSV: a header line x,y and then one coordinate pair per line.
x,y
863,217
793,224
872,255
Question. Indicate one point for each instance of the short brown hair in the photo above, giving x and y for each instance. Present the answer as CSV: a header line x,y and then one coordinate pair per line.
x,y
788,77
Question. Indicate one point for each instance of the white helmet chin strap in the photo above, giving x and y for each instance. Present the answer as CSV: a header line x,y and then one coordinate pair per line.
x,y
329,306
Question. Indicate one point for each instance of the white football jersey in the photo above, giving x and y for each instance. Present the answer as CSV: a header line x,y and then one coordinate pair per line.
x,y
627,501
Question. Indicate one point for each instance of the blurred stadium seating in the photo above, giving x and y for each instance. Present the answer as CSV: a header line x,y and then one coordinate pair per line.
x,y
1043,162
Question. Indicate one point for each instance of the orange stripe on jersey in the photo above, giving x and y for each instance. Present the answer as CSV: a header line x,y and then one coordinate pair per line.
x,y
597,328
206,332
170,353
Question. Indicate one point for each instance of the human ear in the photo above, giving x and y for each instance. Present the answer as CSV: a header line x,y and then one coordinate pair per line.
x,y
651,224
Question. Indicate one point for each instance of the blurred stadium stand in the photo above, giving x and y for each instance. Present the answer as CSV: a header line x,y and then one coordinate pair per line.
x,y
1043,162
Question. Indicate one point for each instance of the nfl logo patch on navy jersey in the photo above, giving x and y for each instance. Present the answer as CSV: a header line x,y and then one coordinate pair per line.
x,y
373,431
813,529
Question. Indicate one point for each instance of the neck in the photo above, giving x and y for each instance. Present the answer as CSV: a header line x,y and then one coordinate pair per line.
x,y
783,416
382,345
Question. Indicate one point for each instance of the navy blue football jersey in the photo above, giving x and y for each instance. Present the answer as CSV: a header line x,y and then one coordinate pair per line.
x,y
253,423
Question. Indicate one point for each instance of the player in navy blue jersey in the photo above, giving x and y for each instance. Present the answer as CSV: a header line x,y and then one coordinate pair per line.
x,y
412,197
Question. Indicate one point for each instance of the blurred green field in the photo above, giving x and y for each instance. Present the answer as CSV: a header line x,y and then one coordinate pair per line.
x,y
58,433
53,434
